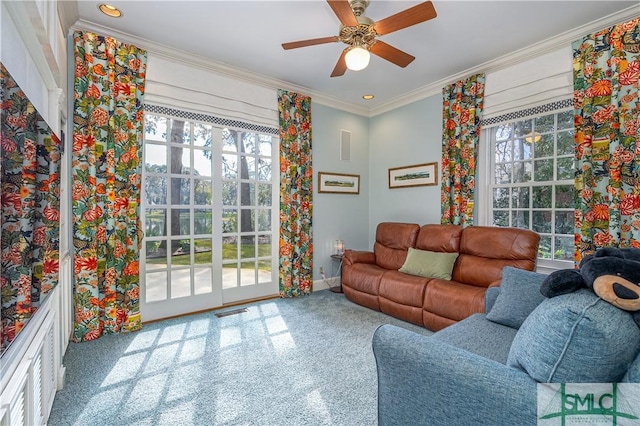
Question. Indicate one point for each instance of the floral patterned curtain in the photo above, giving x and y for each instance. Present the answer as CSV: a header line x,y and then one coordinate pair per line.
x,y
296,194
461,115
31,155
606,67
109,80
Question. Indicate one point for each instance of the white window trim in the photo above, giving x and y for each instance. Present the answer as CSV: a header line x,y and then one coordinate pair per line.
x,y
483,183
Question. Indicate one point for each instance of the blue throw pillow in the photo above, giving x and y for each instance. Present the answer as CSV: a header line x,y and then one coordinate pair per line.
x,y
576,338
519,295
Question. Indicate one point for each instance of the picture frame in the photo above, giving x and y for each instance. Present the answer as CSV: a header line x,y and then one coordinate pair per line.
x,y
338,183
415,175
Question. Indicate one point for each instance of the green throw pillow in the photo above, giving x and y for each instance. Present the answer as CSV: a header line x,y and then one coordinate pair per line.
x,y
430,264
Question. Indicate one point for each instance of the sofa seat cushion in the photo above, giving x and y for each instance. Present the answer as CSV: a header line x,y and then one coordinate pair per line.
x,y
453,300
482,337
402,288
576,338
519,295
412,314
364,277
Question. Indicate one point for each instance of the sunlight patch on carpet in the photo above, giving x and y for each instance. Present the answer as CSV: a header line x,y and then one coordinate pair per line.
x,y
230,337
283,343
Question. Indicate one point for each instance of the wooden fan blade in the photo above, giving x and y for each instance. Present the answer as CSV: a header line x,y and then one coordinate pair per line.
x,y
414,15
391,54
343,11
341,66
311,42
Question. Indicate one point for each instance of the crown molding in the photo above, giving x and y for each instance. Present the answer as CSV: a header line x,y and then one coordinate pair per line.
x,y
68,14
431,89
534,50
217,67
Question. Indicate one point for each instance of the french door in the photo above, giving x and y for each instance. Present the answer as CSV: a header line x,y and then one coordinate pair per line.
x,y
208,205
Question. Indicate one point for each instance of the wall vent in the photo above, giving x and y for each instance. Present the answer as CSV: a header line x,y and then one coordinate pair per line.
x,y
345,145
231,312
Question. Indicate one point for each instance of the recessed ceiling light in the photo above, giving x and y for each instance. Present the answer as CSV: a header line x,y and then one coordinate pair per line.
x,y
109,10
368,97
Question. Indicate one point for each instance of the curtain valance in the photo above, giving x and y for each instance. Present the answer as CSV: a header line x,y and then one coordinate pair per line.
x,y
182,86
538,81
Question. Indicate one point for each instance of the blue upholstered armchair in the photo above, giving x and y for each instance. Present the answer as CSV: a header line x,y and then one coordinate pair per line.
x,y
485,370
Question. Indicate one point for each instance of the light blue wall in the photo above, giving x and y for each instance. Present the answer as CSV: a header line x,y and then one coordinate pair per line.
x,y
339,216
408,135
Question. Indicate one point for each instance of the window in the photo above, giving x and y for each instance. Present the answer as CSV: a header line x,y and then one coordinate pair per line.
x,y
531,180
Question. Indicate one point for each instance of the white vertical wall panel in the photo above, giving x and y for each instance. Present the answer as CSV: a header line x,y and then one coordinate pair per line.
x,y
33,49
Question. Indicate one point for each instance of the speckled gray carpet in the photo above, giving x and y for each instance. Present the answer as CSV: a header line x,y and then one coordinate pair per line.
x,y
303,361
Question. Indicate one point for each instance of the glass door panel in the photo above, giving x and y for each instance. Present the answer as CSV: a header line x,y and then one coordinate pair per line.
x,y
247,200
208,222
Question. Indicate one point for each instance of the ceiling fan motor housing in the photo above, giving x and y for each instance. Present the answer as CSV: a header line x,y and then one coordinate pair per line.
x,y
363,35
358,6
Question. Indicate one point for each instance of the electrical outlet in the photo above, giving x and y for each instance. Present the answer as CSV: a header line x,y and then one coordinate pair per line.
x,y
321,270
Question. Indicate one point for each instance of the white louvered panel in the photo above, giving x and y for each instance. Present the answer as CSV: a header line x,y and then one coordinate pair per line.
x,y
15,397
17,415
36,380
4,416
41,365
48,372
30,388
66,311
24,392
18,407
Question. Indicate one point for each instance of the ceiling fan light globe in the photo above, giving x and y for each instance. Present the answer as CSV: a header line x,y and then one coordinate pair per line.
x,y
357,58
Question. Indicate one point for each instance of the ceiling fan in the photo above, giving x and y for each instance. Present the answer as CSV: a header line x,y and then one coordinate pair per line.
x,y
360,34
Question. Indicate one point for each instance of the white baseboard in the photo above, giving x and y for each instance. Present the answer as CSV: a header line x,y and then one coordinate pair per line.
x,y
326,283
61,376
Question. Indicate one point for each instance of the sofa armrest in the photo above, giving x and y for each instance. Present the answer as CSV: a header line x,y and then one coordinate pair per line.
x,y
353,256
424,381
495,283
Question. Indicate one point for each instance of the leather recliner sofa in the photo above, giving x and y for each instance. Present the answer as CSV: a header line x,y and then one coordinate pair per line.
x,y
372,278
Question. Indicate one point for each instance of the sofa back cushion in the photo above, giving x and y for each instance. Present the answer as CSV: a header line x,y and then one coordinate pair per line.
x,y
633,374
441,238
392,242
576,338
486,250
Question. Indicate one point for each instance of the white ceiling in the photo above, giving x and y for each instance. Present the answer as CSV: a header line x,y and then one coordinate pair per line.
x,y
248,35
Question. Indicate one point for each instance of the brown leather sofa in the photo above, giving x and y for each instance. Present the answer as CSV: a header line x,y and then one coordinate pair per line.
x,y
372,279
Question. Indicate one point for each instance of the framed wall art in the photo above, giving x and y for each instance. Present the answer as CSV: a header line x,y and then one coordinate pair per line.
x,y
416,175
338,183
